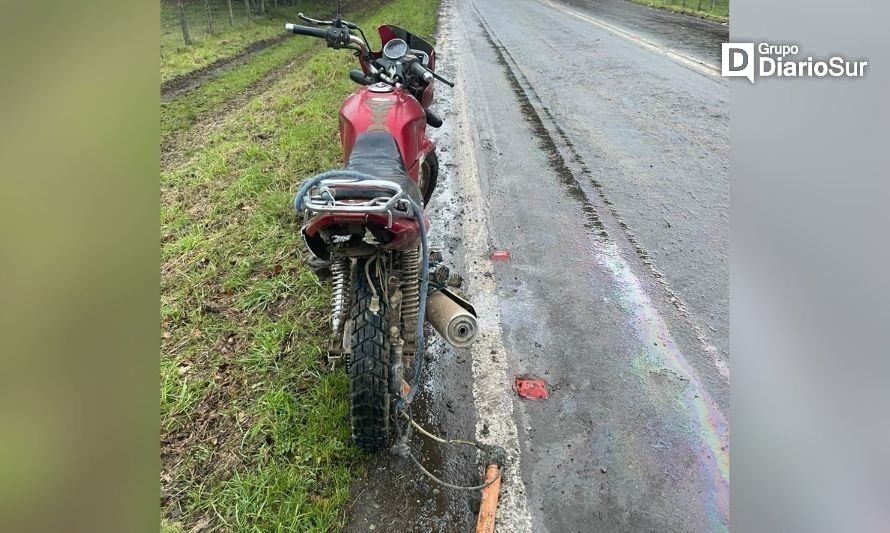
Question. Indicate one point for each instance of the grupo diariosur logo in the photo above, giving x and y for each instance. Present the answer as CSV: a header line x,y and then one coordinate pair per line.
x,y
784,61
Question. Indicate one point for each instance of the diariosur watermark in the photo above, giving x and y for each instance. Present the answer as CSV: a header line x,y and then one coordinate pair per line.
x,y
784,61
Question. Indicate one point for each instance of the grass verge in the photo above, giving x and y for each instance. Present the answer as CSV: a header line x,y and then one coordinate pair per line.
x,y
185,111
254,431
717,11
228,38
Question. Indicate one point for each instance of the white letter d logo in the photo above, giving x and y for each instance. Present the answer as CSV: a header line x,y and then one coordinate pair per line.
x,y
738,60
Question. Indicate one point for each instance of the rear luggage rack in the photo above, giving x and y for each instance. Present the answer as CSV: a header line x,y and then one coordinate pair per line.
x,y
339,192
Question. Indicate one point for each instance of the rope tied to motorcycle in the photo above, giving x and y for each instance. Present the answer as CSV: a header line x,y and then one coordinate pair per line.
x,y
494,455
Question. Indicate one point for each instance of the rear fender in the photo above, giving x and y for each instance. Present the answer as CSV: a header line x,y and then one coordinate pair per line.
x,y
403,234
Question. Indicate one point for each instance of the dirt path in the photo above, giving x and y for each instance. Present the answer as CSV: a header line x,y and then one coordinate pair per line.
x,y
175,87
177,150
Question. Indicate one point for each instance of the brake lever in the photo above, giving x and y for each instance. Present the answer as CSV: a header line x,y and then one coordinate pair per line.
x,y
350,25
315,21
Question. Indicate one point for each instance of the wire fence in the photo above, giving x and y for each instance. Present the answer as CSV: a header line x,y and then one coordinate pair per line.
x,y
715,8
184,22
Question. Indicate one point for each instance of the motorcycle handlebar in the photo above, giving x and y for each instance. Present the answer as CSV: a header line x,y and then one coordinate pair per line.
x,y
344,38
306,30
419,70
335,37
426,74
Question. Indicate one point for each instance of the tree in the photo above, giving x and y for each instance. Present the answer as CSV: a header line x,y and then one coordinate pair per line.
x,y
231,14
183,23
247,8
209,16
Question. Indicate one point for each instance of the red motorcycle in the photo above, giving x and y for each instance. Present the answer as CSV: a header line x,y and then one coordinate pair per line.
x,y
365,228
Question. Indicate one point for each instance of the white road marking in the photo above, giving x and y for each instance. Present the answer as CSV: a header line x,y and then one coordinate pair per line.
x,y
492,389
491,382
702,67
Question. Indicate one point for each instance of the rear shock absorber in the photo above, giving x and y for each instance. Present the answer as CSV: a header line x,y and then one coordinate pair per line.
x,y
340,280
410,297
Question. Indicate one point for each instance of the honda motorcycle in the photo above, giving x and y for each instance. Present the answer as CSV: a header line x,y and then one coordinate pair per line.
x,y
365,228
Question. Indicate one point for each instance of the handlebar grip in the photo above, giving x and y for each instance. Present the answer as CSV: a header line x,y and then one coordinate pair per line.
x,y
359,77
306,30
419,70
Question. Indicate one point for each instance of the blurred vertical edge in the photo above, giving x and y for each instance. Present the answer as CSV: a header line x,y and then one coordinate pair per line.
x,y
78,267
809,286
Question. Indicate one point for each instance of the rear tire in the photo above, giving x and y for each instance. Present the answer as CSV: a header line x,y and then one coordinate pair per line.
x,y
369,367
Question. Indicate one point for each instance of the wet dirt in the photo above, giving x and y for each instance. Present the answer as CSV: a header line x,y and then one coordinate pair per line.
x,y
394,495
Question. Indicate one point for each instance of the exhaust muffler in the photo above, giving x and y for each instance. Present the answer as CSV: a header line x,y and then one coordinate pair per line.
x,y
452,317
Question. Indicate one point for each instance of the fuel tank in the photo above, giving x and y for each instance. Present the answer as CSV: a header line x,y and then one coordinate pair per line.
x,y
381,107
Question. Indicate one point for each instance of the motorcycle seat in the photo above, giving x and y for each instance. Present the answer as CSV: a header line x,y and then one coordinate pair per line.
x,y
376,153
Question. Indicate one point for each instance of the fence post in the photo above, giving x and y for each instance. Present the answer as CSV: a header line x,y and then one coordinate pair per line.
x,y
209,16
183,23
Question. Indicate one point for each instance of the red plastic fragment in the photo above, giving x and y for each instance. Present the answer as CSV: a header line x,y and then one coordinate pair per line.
x,y
500,256
531,387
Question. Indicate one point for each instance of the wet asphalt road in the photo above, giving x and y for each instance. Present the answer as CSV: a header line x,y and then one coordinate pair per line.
x,y
601,156
689,35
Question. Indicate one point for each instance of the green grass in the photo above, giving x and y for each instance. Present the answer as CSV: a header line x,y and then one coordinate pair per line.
x,y
185,111
227,39
254,428
702,9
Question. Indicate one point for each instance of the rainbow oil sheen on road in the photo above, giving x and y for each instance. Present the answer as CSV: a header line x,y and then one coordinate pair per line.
x,y
710,435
